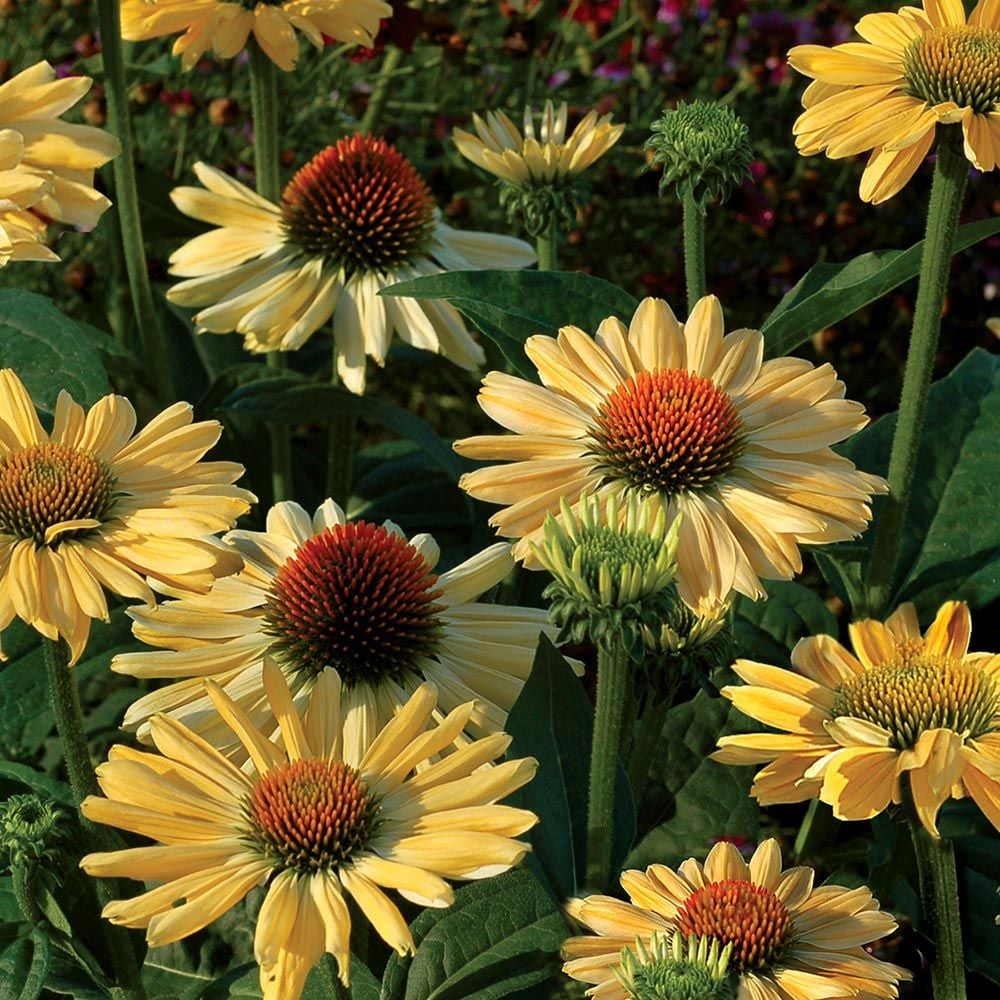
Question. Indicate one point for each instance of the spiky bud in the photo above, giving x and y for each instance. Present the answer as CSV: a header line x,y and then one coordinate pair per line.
x,y
677,969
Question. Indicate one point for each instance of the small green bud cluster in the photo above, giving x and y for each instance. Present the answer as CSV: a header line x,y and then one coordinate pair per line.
x,y
677,969
704,149
538,206
31,830
613,567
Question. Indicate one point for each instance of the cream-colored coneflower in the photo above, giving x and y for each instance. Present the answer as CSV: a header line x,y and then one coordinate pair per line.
x,y
739,448
790,940
225,26
21,231
63,155
320,591
854,725
914,70
322,814
548,158
93,505
355,219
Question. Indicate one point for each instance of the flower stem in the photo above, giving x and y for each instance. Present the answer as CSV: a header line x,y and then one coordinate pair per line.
x,y
694,251
340,450
383,86
647,738
939,898
264,102
546,246
65,698
612,688
950,177
127,202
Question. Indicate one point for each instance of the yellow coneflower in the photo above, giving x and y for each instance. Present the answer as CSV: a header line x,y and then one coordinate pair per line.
x,y
738,447
914,70
320,591
63,155
321,815
789,940
93,505
550,157
21,232
225,25
852,726
355,219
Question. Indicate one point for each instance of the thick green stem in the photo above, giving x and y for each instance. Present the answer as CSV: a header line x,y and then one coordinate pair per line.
x,y
21,877
127,202
383,87
340,449
264,101
939,897
818,828
65,698
694,251
546,246
950,177
612,688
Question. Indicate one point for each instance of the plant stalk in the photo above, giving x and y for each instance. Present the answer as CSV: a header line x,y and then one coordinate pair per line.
x,y
127,202
647,738
65,698
612,688
694,251
950,177
939,898
546,246
340,447
383,87
264,102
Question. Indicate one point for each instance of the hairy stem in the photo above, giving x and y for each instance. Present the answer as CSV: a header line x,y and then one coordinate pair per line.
x,y
694,251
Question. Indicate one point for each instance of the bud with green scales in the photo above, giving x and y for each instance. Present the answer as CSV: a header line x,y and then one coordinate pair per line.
x,y
32,830
613,563
677,969
704,149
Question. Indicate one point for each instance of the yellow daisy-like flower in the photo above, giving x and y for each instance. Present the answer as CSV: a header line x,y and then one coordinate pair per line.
x,y
225,25
854,724
94,505
550,157
319,816
355,219
791,940
739,448
21,231
65,155
914,69
318,592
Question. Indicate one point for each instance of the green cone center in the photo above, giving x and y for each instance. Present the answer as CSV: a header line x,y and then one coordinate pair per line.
x,y
955,64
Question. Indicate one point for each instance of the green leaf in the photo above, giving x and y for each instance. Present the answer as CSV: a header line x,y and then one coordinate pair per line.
x,y
510,306
163,982
830,292
24,963
501,935
25,717
48,350
692,801
290,401
767,630
978,861
553,721
950,549
29,778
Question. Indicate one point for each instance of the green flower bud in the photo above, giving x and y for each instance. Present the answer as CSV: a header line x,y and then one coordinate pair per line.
x,y
704,149
675,969
31,830
612,567
541,205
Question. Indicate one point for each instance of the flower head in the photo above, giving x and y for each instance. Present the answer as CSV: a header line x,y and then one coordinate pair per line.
x,y
94,505
675,968
784,937
611,568
914,70
355,219
320,591
853,725
326,812
704,149
736,447
32,830
46,165
538,173
226,25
